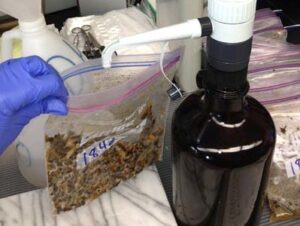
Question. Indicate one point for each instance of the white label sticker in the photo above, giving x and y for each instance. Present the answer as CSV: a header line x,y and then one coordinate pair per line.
x,y
292,167
94,151
85,139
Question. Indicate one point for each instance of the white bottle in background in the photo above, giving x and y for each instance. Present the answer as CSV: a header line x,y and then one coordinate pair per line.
x,y
38,39
176,11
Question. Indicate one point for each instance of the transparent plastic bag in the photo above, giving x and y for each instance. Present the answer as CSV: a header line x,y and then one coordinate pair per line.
x,y
111,134
268,52
269,41
270,35
275,84
274,77
278,88
283,190
266,19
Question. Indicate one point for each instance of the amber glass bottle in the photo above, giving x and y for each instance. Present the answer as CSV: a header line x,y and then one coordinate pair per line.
x,y
223,142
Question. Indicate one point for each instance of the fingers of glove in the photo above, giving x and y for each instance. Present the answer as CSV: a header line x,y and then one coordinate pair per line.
x,y
49,105
55,106
47,86
50,85
36,66
26,81
31,66
12,126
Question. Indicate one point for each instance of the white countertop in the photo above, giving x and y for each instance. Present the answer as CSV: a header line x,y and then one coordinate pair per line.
x,y
140,201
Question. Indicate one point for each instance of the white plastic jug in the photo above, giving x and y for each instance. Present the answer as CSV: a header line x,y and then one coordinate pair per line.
x,y
38,39
24,10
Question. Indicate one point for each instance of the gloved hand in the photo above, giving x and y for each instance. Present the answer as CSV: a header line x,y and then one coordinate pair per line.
x,y
28,87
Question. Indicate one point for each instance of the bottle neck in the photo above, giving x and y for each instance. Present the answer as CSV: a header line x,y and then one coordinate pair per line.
x,y
225,91
37,25
219,104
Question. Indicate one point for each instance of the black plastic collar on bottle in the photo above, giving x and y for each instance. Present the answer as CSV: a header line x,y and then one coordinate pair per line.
x,y
226,98
229,95
228,56
224,80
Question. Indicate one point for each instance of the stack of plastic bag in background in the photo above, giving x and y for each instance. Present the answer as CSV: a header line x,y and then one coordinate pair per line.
x,y
269,41
114,25
274,76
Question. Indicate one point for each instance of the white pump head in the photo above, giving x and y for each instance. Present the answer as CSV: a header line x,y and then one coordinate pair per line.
x,y
232,11
232,20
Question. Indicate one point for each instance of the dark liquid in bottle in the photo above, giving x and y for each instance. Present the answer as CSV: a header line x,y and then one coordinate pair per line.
x,y
221,163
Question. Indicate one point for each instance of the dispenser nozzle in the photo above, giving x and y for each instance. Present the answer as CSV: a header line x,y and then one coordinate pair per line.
x,y
191,29
229,25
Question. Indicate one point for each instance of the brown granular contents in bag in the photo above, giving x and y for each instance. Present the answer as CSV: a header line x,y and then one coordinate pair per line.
x,y
283,190
70,187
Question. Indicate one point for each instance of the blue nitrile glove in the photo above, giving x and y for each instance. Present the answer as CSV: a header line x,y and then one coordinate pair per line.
x,y
28,87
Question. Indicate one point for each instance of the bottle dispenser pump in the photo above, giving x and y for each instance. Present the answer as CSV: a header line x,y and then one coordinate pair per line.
x,y
222,139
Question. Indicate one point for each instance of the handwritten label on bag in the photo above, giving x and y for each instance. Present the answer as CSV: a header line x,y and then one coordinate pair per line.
x,y
94,151
293,167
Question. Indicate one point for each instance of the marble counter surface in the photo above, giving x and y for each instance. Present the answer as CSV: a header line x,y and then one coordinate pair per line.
x,y
140,201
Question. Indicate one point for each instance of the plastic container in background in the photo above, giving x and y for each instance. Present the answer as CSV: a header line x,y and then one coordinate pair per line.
x,y
24,10
38,39
171,12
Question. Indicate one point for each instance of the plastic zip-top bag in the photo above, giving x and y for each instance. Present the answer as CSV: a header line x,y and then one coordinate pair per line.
x,y
277,87
269,42
270,52
283,190
265,19
262,56
112,133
